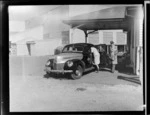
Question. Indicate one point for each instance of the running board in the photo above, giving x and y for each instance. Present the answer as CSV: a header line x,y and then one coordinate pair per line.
x,y
88,69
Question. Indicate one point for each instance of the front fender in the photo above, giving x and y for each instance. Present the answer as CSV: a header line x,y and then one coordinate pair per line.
x,y
76,62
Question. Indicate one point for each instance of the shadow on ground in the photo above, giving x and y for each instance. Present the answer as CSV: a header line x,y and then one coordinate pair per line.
x,y
87,72
101,69
64,76
124,70
105,69
57,76
67,76
131,79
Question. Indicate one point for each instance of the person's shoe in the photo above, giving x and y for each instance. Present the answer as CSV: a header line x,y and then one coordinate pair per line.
x,y
112,71
96,71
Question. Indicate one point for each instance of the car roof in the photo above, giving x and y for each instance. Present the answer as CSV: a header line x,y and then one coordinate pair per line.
x,y
100,44
82,44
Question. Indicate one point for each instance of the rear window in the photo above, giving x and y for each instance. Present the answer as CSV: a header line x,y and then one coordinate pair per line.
x,y
72,48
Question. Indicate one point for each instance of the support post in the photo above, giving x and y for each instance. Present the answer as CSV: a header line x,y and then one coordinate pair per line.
x,y
86,35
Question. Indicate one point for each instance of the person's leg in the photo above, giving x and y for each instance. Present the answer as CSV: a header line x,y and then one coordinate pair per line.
x,y
113,68
97,61
97,66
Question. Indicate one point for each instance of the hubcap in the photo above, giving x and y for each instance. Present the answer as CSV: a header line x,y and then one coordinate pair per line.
x,y
78,73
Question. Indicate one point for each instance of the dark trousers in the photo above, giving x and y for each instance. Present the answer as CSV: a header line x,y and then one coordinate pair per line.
x,y
113,68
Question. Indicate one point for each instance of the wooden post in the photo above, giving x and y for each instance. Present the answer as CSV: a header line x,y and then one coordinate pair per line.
x,y
86,35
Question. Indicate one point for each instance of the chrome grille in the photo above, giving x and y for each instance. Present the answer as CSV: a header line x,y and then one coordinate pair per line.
x,y
60,66
56,66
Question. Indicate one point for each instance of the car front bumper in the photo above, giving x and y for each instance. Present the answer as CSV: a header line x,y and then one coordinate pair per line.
x,y
49,70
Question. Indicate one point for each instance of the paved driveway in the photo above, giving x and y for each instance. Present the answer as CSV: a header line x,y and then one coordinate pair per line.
x,y
32,90
101,91
103,77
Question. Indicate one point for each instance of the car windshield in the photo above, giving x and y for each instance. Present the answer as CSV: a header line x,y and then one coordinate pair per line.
x,y
72,48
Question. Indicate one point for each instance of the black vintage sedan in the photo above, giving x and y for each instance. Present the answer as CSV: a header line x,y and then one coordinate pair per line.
x,y
74,59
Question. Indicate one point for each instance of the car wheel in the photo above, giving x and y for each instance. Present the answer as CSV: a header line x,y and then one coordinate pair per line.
x,y
77,73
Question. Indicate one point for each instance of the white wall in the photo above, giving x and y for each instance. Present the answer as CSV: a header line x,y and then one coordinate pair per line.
x,y
77,36
45,47
16,26
21,38
34,33
93,38
22,49
51,21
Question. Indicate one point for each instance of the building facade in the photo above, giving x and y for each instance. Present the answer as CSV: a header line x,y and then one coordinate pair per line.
x,y
44,29
97,24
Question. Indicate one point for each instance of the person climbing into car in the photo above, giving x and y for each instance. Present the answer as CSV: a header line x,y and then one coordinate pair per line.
x,y
96,55
113,56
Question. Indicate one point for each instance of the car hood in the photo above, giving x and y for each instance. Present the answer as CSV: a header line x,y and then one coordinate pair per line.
x,y
61,58
71,55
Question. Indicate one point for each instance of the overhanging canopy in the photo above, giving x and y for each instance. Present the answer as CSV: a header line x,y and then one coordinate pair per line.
x,y
109,13
110,18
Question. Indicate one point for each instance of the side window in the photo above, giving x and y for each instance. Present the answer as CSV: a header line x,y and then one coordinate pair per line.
x,y
87,49
79,49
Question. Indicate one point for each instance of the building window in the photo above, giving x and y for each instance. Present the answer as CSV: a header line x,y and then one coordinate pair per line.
x,y
107,37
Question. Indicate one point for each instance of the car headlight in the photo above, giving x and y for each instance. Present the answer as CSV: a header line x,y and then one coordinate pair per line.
x,y
70,63
48,63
